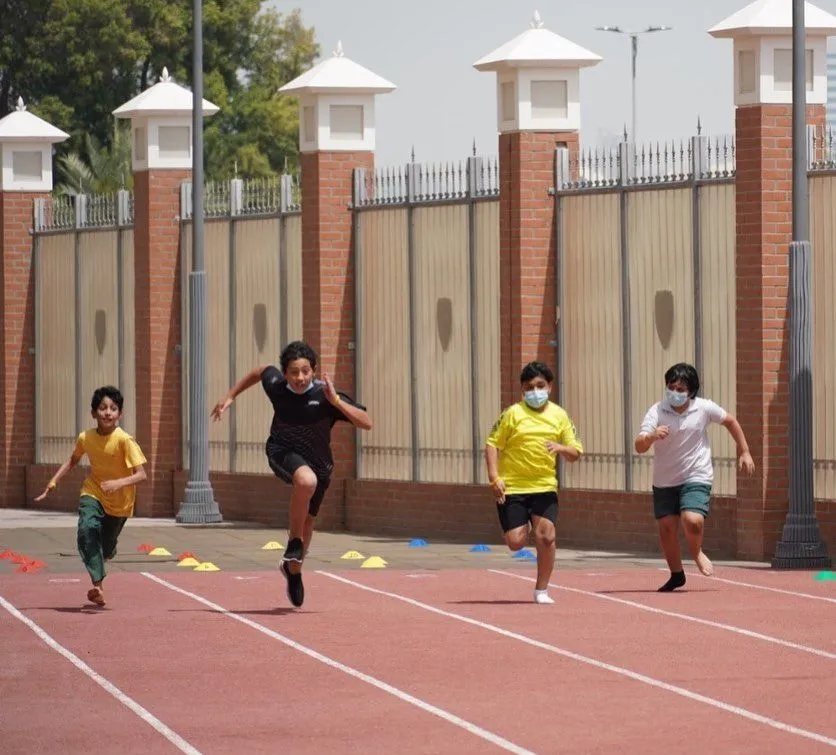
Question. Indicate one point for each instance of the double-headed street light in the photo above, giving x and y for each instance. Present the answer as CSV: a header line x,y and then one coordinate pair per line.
x,y
634,42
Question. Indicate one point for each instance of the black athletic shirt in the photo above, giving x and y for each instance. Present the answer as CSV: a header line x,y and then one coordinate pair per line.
x,y
302,422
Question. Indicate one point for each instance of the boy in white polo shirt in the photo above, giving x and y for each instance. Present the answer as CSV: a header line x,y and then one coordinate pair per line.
x,y
682,469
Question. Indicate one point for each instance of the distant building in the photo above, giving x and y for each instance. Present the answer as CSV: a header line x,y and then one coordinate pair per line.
x,y
831,90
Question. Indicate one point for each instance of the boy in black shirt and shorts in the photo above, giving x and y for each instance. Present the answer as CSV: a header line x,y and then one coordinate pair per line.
x,y
299,447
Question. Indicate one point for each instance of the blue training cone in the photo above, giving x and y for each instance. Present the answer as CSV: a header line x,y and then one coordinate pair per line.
x,y
524,555
480,549
418,542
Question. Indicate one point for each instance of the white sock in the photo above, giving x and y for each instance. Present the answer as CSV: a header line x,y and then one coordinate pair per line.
x,y
542,597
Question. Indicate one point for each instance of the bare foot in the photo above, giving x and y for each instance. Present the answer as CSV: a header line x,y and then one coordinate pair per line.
x,y
95,595
704,565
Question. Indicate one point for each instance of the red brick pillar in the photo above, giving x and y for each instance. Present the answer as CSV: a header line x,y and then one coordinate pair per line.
x,y
17,343
764,230
527,250
328,282
158,333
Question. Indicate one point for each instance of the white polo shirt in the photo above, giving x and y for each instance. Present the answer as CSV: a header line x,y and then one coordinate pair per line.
x,y
685,455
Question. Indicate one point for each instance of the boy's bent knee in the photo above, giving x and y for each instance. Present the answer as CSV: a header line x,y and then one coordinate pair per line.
x,y
516,539
88,540
545,538
304,477
693,522
84,537
544,532
87,531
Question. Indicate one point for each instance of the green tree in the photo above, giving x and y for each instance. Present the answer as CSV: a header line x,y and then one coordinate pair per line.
x,y
99,169
75,61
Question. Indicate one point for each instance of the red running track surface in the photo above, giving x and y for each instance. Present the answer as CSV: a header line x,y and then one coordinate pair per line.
x,y
224,686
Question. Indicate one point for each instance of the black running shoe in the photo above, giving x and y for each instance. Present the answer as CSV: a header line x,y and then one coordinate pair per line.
x,y
294,551
295,588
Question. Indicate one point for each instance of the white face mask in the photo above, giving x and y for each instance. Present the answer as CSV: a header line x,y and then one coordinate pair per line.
x,y
676,398
302,392
536,398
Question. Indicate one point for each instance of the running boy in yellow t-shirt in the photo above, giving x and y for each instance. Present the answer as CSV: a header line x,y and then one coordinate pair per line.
x,y
520,454
109,491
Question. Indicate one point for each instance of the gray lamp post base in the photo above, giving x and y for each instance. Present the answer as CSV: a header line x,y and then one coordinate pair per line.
x,y
801,546
198,506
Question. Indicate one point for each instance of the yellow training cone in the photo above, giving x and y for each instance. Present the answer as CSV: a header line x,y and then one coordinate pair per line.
x,y
159,552
375,562
272,546
352,556
189,562
206,566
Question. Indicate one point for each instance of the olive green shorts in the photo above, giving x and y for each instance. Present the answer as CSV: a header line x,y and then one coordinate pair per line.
x,y
692,496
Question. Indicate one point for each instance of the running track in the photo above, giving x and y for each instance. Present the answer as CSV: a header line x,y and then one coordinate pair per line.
x,y
419,662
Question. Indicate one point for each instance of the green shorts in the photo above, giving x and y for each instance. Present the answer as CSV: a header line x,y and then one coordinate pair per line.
x,y
692,496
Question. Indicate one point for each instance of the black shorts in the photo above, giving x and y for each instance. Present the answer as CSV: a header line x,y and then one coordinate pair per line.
x,y
520,507
285,463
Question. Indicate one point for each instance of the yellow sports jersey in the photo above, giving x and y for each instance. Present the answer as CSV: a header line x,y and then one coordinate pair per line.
x,y
520,436
112,457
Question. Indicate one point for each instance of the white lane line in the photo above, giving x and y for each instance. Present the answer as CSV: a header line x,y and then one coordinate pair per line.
x,y
149,718
683,616
394,691
644,679
780,590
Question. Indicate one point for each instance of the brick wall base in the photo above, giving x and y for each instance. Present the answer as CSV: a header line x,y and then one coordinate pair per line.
x,y
264,499
455,513
466,513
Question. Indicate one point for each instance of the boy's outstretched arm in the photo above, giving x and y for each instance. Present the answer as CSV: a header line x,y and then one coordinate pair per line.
x,y
248,381
744,458
75,457
357,416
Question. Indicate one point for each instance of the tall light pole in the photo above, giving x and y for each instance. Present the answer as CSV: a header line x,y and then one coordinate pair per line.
x,y
198,505
801,545
634,45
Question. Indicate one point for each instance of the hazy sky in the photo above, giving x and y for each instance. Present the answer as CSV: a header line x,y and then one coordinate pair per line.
x,y
428,47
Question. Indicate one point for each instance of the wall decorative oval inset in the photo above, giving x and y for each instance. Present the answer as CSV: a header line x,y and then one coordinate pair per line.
x,y
260,326
100,330
444,322
663,314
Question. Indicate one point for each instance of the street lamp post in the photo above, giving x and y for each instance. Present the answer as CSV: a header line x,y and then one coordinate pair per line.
x,y
801,545
634,51
198,505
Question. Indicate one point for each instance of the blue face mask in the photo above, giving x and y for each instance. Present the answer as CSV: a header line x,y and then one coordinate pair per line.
x,y
301,393
676,398
536,398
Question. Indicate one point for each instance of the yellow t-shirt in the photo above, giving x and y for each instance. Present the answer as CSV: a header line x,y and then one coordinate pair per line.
x,y
112,457
520,436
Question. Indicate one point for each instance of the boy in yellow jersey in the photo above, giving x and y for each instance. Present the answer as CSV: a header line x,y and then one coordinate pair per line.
x,y
109,491
520,454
